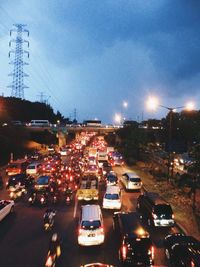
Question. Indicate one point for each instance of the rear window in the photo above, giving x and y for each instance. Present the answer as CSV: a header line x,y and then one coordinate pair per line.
x,y
91,225
112,196
139,244
111,178
135,180
163,209
31,167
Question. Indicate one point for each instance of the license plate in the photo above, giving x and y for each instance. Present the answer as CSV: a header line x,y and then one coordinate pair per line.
x,y
91,235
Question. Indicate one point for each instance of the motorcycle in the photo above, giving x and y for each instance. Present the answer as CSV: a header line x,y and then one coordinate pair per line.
x,y
51,260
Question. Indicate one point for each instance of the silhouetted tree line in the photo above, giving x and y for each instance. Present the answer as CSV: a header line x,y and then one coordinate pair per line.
x,y
12,108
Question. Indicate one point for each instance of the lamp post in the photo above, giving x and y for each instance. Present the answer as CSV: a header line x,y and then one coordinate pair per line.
x,y
153,103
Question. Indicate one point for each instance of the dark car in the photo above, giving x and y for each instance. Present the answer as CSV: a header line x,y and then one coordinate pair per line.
x,y
111,179
19,181
155,210
182,250
135,245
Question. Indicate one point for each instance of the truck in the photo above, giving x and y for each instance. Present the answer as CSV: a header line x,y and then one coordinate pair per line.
x,y
88,188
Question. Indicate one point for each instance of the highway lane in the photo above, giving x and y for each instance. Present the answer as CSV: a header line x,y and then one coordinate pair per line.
x,y
24,242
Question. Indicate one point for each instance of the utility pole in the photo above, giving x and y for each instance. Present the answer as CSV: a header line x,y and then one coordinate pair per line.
x,y
75,114
42,97
18,73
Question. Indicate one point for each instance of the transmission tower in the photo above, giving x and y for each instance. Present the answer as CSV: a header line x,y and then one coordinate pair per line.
x,y
18,73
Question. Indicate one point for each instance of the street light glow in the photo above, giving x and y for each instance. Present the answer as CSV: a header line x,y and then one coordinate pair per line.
x,y
152,103
118,118
125,104
189,106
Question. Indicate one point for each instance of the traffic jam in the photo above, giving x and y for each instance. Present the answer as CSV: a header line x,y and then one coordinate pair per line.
x,y
87,176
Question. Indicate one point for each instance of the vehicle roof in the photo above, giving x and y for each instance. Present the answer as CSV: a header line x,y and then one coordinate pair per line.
x,y
43,180
34,164
91,212
112,189
131,224
131,174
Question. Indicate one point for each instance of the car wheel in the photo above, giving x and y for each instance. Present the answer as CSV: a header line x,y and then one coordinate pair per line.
x,y
12,209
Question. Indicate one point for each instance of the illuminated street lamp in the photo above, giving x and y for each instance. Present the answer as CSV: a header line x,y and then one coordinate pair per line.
x,y
125,104
118,118
152,104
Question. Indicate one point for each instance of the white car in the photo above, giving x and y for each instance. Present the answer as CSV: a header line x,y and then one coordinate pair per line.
x,y
6,207
112,198
131,181
63,152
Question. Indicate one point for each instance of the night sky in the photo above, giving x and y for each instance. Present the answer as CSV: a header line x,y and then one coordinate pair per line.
x,y
93,55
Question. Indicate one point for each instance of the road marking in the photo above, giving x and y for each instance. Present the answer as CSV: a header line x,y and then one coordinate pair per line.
x,y
75,207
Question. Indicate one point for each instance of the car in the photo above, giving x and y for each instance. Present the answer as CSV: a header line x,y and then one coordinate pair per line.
x,y
91,228
34,168
63,151
112,197
111,178
131,181
182,250
97,264
135,245
19,181
6,207
155,210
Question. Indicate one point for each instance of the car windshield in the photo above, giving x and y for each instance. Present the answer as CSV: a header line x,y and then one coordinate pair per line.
x,y
163,209
112,196
135,180
91,225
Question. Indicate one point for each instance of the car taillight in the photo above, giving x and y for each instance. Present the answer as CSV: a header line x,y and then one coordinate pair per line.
x,y
102,230
42,199
49,261
172,216
192,264
124,251
71,178
80,230
154,215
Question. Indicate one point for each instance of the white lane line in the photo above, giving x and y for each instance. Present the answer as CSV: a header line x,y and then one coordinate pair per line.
x,y
75,207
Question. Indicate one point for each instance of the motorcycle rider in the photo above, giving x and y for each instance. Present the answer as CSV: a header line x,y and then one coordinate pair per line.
x,y
49,216
54,247
54,251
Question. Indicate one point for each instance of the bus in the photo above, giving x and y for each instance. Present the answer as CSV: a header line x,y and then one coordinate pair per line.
x,y
39,123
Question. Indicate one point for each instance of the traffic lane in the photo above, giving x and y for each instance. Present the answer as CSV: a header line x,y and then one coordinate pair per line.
x,y
157,234
24,241
74,255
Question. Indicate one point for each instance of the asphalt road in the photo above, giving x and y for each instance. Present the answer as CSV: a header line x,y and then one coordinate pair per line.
x,y
24,243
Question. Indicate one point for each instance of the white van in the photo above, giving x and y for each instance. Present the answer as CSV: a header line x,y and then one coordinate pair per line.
x,y
91,230
34,169
112,198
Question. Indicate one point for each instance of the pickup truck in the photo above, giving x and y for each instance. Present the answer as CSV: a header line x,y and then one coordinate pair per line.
x,y
88,188
6,207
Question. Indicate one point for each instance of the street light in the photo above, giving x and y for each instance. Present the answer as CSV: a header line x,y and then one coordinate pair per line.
x,y
125,104
152,104
118,118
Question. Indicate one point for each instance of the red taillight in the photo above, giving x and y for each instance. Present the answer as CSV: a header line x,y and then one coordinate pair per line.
x,y
80,230
71,178
102,230
42,199
192,264
124,251
172,216
68,199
